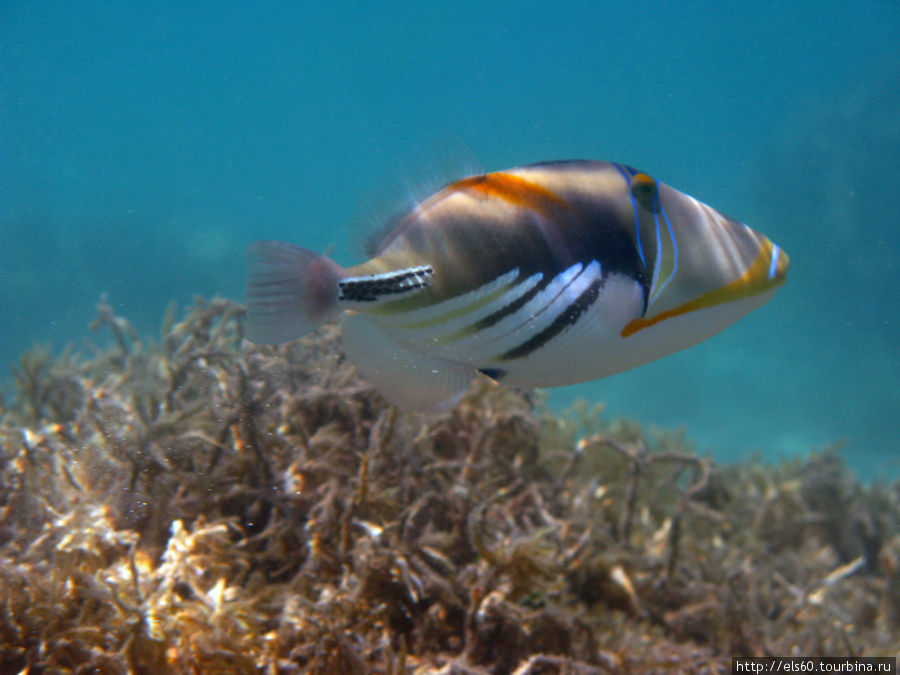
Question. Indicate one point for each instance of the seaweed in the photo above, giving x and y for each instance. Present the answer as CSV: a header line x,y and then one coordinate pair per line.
x,y
198,504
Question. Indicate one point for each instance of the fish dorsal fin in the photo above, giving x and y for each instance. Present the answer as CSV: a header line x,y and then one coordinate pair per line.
x,y
421,175
407,378
372,288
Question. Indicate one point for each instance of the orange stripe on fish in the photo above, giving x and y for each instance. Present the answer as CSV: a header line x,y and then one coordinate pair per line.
x,y
754,280
510,188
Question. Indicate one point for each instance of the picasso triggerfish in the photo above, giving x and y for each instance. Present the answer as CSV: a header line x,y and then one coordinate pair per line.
x,y
538,276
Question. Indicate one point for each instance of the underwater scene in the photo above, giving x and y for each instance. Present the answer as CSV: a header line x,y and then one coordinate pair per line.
x,y
521,403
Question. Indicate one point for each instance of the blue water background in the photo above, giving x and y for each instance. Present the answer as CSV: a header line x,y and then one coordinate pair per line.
x,y
143,145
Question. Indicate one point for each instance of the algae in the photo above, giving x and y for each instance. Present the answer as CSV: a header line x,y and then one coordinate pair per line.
x,y
197,504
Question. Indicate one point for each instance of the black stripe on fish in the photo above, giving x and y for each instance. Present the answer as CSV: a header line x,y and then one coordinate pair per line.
x,y
568,317
514,306
374,287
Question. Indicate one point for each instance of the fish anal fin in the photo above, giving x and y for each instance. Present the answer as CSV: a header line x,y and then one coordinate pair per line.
x,y
407,378
423,173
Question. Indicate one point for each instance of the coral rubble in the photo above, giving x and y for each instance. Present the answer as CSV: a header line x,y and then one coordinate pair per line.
x,y
200,505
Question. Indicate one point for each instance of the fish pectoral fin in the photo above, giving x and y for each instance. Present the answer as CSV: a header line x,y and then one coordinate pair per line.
x,y
407,378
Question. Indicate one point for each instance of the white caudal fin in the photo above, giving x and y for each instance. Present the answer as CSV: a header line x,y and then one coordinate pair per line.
x,y
407,378
290,291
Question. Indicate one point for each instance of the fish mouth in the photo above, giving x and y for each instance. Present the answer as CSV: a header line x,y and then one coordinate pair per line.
x,y
768,272
778,265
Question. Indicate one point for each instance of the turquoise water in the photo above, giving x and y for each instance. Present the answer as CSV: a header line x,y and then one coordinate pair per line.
x,y
143,145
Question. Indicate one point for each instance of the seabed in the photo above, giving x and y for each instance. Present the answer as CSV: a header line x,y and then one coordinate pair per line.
x,y
197,504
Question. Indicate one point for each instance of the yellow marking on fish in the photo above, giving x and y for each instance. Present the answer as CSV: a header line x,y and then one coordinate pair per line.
x,y
401,305
666,255
754,280
510,188
461,311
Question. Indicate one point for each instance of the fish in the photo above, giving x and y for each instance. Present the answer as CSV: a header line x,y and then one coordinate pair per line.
x,y
542,275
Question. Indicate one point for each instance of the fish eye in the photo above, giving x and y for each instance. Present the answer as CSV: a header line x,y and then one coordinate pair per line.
x,y
644,189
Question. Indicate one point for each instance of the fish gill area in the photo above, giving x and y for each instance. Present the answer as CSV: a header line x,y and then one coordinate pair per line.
x,y
196,504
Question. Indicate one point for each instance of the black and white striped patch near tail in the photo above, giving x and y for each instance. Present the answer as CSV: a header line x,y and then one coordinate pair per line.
x,y
389,285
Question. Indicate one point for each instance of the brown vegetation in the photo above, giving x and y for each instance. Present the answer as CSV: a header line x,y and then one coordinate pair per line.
x,y
200,505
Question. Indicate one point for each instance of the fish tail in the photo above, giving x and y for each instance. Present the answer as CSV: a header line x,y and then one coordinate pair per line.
x,y
290,291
